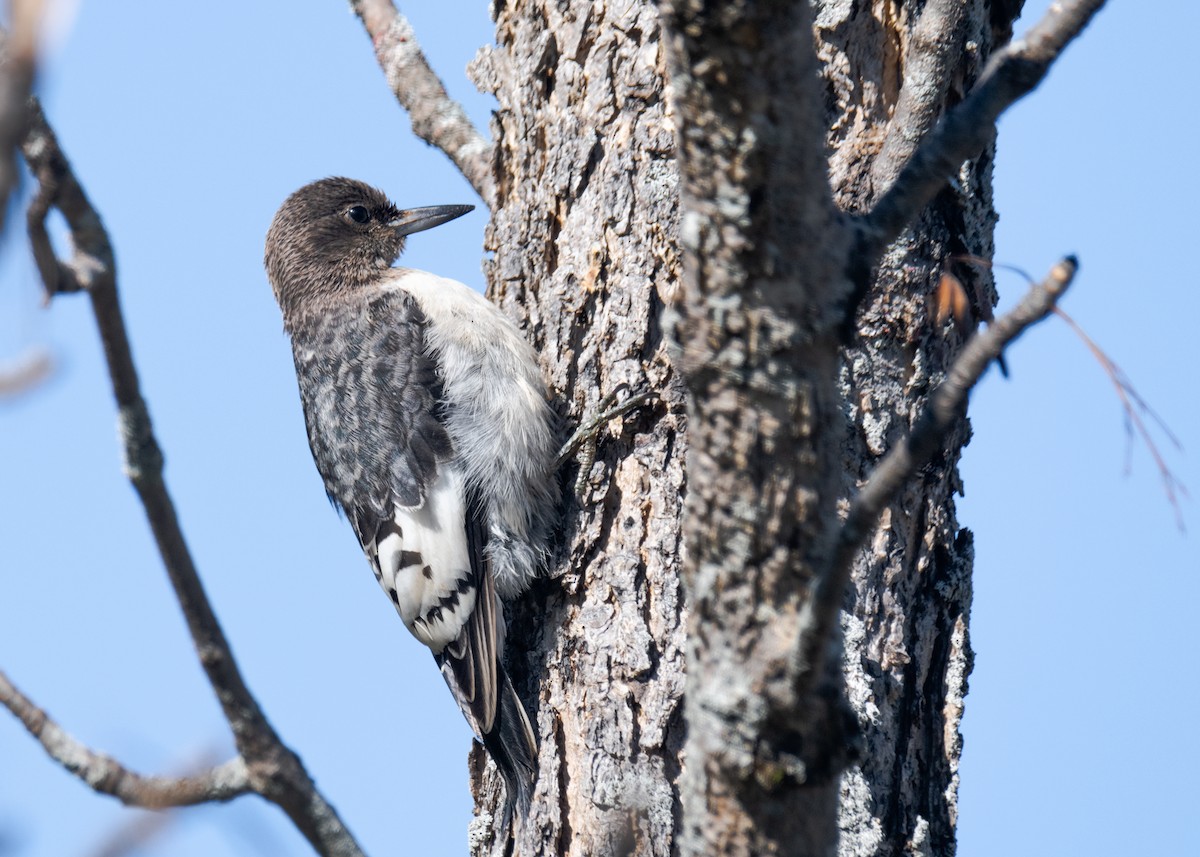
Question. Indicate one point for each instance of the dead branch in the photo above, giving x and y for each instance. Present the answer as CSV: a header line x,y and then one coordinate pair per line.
x,y
18,54
966,129
944,408
936,44
436,118
106,775
274,771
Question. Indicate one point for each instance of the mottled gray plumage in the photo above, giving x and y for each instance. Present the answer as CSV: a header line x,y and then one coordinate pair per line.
x,y
370,464
428,422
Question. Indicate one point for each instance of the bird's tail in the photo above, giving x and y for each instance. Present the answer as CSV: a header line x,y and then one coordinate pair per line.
x,y
512,745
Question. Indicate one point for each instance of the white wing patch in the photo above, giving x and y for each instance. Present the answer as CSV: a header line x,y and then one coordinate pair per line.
x,y
424,564
491,372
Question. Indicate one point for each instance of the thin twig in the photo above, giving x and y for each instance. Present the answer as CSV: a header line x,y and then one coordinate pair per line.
x,y
106,775
436,118
1012,73
944,407
275,772
1135,406
935,45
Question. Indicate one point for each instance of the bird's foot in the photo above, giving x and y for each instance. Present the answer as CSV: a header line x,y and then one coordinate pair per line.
x,y
582,444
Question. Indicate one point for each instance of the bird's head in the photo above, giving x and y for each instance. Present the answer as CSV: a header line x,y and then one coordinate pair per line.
x,y
337,235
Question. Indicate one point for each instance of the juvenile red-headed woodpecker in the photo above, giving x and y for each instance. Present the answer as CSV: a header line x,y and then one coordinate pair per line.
x,y
428,421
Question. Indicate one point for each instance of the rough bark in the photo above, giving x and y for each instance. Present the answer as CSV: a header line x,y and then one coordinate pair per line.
x,y
582,237
907,649
784,420
757,332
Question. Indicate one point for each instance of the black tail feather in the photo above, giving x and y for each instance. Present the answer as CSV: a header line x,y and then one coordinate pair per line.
x,y
512,746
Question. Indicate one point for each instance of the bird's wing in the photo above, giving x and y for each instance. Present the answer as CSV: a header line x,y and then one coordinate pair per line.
x,y
431,563
472,668
378,436
469,664
370,393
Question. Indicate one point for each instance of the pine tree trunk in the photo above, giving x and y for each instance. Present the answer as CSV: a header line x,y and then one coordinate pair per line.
x,y
728,318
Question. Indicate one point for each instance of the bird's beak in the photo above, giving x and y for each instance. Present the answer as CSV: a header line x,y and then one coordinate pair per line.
x,y
419,219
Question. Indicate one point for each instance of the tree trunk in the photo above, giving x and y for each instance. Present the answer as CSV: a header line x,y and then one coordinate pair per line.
x,y
907,650
731,320
582,237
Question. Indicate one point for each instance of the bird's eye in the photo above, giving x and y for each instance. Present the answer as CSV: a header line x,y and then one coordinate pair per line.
x,y
358,214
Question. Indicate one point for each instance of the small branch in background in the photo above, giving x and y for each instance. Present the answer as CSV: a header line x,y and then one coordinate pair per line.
x,y
1135,409
935,46
91,266
436,118
950,296
18,61
106,775
273,770
944,407
22,373
962,134
135,835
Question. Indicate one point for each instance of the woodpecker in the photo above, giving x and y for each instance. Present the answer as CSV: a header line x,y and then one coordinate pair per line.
x,y
428,421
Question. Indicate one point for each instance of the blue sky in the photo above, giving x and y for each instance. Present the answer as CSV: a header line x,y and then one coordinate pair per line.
x,y
188,129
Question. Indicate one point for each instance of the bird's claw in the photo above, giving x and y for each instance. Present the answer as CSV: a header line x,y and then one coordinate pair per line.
x,y
582,443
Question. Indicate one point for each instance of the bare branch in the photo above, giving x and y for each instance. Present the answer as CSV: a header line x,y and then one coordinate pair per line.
x,y
436,118
942,410
275,771
22,373
134,836
18,50
1012,73
106,775
91,265
935,45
